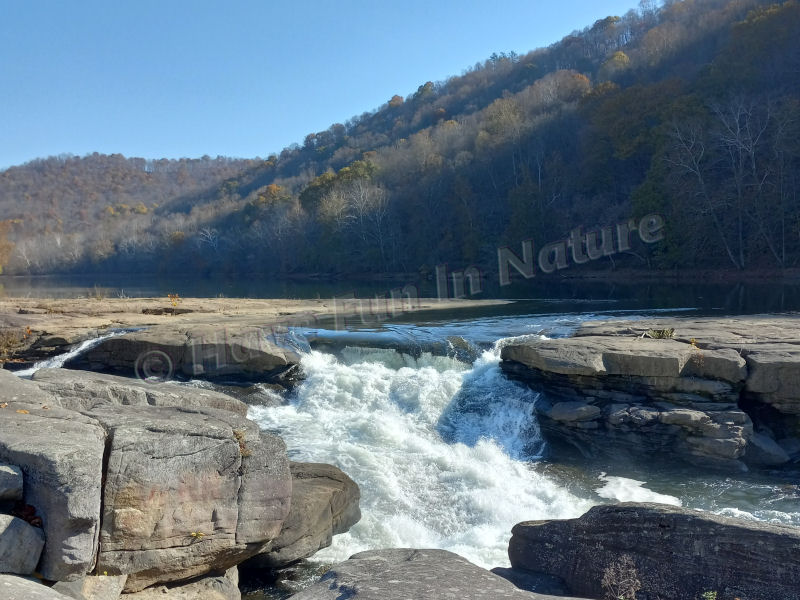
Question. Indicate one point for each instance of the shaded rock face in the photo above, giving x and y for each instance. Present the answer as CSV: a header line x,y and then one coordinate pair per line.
x,y
324,504
646,396
678,553
19,588
252,353
20,546
399,574
10,483
187,490
84,390
60,454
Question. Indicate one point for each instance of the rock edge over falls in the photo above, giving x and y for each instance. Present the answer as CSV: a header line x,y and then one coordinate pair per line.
x,y
719,393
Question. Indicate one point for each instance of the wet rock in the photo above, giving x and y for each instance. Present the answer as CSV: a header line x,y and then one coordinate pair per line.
x,y
678,553
20,546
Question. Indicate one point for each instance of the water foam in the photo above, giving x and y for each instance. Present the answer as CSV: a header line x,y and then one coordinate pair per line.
x,y
440,450
56,362
623,489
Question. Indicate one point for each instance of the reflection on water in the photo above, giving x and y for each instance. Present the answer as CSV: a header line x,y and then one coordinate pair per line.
x,y
551,294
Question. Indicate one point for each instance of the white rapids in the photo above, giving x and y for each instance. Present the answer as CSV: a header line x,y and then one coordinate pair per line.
x,y
436,446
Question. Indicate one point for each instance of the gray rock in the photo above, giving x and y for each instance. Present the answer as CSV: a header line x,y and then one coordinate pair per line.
x,y
20,588
678,553
10,483
15,389
83,390
764,451
20,546
402,574
196,351
573,411
324,504
212,587
60,453
187,490
93,587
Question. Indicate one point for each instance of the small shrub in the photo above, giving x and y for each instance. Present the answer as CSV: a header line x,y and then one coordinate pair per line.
x,y
621,580
660,334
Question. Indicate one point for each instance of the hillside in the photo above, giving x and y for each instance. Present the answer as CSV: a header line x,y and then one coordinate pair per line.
x,y
689,111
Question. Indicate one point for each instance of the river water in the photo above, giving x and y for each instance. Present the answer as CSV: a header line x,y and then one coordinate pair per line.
x,y
447,451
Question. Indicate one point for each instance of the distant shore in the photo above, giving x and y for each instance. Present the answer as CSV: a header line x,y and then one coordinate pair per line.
x,y
75,319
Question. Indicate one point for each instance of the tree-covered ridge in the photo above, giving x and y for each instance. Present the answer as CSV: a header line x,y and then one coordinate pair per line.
x,y
689,110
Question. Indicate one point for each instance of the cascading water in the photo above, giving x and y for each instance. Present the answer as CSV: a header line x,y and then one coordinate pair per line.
x,y
58,361
440,449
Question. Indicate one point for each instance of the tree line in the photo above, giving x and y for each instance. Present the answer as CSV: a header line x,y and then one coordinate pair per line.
x,y
688,109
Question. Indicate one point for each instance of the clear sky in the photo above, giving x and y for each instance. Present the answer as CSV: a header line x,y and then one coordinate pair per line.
x,y
173,78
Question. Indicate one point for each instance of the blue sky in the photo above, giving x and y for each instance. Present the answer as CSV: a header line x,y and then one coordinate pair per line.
x,y
238,78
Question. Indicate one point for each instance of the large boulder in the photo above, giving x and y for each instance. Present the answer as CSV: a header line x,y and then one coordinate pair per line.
x,y
206,351
60,453
187,491
20,546
677,553
400,574
83,390
20,588
324,504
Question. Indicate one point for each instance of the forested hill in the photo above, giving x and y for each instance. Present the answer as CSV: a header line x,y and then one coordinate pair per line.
x,y
690,111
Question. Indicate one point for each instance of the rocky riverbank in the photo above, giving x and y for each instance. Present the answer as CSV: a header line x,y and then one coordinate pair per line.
x,y
111,485
716,393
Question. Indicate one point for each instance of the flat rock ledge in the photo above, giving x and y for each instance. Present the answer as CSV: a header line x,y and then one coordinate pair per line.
x,y
200,351
403,573
721,393
677,553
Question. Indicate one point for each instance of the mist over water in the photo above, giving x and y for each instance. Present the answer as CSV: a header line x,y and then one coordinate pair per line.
x,y
440,449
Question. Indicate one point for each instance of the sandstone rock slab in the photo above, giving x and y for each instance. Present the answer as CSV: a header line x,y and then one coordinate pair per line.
x,y
211,587
400,574
204,351
83,390
20,588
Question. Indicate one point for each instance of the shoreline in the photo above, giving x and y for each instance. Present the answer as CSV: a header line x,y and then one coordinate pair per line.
x,y
54,323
